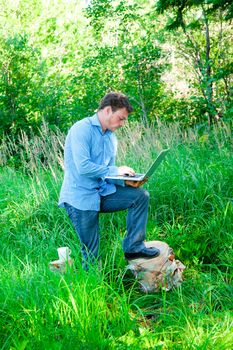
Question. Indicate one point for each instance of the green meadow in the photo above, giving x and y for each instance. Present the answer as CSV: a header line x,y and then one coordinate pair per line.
x,y
191,208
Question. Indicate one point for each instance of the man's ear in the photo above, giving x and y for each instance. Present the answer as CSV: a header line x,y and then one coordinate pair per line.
x,y
108,110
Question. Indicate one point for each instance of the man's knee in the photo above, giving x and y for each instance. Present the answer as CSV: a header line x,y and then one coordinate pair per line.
x,y
143,196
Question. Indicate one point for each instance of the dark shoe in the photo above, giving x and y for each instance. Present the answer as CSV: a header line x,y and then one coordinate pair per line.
x,y
144,253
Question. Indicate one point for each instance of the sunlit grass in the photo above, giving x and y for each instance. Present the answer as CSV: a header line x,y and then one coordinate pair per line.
x,y
190,208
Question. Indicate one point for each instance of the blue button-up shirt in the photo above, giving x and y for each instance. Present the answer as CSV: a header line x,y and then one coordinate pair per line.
x,y
89,156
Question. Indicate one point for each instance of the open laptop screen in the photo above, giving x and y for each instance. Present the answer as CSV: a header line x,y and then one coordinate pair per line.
x,y
140,177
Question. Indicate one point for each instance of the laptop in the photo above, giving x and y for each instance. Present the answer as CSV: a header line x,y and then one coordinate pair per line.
x,y
140,177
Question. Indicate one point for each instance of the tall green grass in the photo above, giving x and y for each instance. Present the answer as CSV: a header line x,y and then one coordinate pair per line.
x,y
190,208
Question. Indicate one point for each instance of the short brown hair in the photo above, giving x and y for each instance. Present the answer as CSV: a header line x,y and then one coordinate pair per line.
x,y
116,100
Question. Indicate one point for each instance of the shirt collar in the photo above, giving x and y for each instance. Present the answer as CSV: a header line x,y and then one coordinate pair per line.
x,y
95,121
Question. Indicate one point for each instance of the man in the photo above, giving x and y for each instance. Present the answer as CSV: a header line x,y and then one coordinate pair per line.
x,y
90,151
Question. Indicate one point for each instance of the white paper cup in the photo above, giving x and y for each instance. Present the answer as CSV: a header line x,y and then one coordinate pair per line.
x,y
64,253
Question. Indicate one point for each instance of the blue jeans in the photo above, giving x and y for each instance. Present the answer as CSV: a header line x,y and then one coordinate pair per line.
x,y
86,222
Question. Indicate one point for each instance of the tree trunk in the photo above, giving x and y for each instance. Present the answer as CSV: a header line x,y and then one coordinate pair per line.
x,y
144,116
207,73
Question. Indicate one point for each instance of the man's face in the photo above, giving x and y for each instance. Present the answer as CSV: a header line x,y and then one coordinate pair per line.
x,y
116,119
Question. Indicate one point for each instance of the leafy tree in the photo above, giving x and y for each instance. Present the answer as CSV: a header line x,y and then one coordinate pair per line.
x,y
56,63
127,53
202,47
40,47
21,74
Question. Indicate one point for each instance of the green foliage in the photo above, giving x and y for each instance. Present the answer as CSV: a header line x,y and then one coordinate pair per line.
x,y
181,6
58,59
130,60
203,48
187,111
21,74
26,95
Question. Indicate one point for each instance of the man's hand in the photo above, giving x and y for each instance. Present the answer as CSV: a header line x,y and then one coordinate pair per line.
x,y
125,170
135,183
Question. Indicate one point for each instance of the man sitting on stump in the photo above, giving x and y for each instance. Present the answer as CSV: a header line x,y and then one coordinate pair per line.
x,y
89,156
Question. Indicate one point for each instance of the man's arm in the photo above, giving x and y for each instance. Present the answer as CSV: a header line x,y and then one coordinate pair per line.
x,y
80,145
81,142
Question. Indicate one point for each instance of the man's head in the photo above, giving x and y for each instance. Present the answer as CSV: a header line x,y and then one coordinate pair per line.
x,y
116,101
113,110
